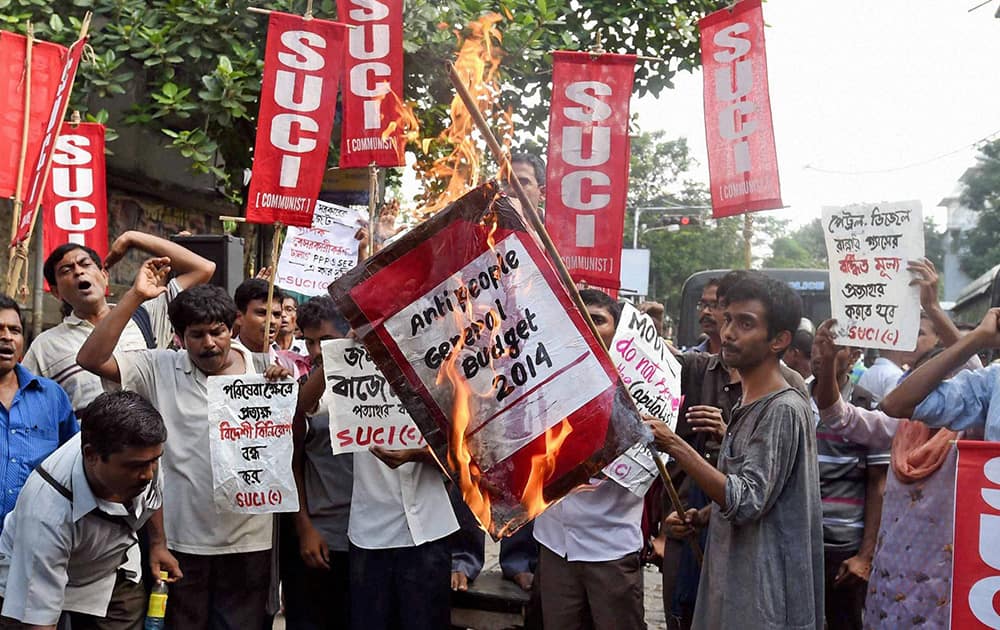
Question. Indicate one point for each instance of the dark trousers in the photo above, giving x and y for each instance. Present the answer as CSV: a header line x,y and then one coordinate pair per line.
x,y
401,588
590,595
844,604
126,611
224,592
315,599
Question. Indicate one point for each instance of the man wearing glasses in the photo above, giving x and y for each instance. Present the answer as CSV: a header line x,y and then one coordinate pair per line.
x,y
707,306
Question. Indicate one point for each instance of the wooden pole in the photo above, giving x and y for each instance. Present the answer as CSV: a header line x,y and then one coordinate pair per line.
x,y
747,240
372,208
532,214
275,252
22,159
675,500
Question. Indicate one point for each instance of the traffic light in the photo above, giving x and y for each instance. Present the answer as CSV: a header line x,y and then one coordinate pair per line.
x,y
681,220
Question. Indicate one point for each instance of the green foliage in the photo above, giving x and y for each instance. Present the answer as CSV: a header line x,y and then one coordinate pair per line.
x,y
191,68
979,249
804,248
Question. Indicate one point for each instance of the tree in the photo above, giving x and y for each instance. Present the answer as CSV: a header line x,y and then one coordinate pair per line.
x,y
804,248
192,68
979,249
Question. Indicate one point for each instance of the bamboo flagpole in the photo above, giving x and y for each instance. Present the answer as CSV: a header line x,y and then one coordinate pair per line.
x,y
373,211
19,186
275,252
536,223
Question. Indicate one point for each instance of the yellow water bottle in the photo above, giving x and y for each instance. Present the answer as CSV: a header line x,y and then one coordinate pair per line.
x,y
157,611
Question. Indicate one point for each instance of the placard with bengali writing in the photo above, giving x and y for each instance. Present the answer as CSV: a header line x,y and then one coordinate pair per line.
x,y
653,378
250,433
364,411
868,246
311,258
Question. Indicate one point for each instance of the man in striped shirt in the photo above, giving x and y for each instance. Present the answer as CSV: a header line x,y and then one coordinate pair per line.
x,y
852,478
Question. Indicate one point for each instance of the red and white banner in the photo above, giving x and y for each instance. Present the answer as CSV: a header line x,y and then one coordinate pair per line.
x,y
373,85
39,173
975,579
75,205
298,99
742,161
588,160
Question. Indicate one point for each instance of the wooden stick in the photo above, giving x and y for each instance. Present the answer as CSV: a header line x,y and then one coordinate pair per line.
x,y
748,239
675,500
275,252
22,159
260,11
224,217
372,208
550,248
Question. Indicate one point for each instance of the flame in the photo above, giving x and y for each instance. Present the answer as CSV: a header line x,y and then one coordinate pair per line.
x,y
477,62
542,468
403,118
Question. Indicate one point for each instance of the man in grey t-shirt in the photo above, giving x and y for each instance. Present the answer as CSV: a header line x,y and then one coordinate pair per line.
x,y
765,540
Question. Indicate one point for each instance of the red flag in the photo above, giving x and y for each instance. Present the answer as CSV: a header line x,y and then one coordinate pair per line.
x,y
298,98
975,577
587,176
46,64
39,173
76,199
373,85
742,162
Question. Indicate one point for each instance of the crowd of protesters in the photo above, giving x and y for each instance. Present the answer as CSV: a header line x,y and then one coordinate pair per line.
x,y
797,468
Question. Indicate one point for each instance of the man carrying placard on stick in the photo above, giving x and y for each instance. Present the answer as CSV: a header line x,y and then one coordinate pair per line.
x,y
766,489
226,557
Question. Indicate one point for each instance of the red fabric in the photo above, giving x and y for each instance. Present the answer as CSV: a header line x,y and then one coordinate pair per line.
x,y
587,176
742,161
976,571
298,99
373,84
75,205
39,173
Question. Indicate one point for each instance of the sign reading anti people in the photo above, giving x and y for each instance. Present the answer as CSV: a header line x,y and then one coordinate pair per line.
x,y
364,410
868,247
653,378
491,357
312,258
250,432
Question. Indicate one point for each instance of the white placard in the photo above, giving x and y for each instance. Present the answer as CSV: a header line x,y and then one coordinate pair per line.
x,y
312,258
364,411
525,363
868,247
250,434
652,376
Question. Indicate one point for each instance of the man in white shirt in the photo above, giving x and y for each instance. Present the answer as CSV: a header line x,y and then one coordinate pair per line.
x,y
226,556
76,276
251,318
589,573
62,546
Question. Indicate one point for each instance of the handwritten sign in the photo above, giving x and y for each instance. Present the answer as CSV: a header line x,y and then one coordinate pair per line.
x,y
514,338
312,258
469,321
653,377
364,410
250,434
870,294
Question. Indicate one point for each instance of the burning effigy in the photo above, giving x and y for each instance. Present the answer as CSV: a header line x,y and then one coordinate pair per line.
x,y
483,344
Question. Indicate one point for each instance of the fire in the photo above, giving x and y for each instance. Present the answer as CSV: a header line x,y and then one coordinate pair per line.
x,y
477,62
542,468
405,118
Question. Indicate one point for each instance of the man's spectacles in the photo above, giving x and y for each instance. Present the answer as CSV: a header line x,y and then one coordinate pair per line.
x,y
702,305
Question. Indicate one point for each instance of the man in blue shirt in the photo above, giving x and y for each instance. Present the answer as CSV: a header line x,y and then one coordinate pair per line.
x,y
35,413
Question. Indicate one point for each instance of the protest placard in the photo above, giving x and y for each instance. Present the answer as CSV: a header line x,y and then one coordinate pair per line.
x,y
312,258
868,247
250,434
364,411
653,378
491,357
